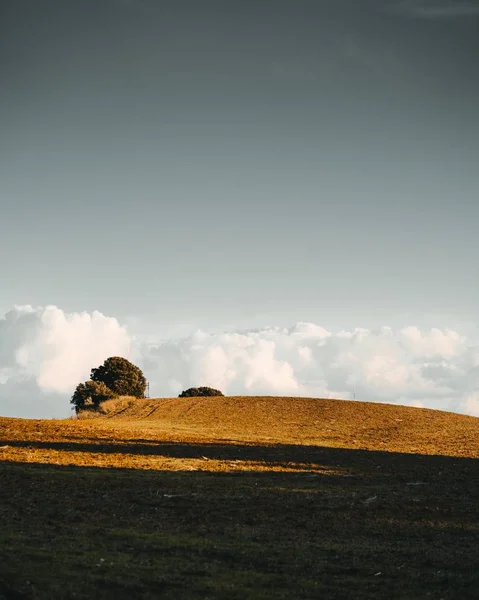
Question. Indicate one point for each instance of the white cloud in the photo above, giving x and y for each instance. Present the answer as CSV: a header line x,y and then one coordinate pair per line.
x,y
436,368
471,404
45,352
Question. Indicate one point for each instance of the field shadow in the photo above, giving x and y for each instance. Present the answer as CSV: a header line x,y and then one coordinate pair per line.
x,y
378,462
374,524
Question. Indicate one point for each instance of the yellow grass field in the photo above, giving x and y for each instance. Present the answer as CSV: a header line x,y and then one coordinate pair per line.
x,y
240,497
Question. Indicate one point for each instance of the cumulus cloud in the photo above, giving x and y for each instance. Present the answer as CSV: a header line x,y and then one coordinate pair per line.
x,y
436,368
471,404
45,352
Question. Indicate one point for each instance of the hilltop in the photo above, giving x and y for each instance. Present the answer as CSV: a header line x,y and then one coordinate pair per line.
x,y
312,421
240,497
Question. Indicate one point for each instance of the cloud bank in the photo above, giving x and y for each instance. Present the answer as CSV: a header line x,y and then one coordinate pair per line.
x,y
45,352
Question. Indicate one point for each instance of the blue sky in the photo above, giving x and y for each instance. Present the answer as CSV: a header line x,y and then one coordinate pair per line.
x,y
245,165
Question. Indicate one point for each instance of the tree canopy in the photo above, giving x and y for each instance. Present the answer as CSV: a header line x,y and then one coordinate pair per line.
x,y
200,391
117,376
121,376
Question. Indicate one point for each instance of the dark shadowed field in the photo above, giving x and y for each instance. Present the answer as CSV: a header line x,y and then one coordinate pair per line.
x,y
241,498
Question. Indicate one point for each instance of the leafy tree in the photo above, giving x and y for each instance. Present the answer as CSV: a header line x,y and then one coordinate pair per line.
x,y
194,392
121,376
115,377
91,391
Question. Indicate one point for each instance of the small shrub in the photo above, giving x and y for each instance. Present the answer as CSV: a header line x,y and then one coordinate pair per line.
x,y
91,394
195,392
108,407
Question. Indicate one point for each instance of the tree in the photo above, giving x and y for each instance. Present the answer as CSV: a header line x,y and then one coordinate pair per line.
x,y
194,392
115,377
121,376
91,391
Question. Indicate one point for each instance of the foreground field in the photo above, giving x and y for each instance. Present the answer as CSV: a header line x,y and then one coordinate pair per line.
x,y
240,498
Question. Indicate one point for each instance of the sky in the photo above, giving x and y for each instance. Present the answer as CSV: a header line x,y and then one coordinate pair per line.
x,y
190,183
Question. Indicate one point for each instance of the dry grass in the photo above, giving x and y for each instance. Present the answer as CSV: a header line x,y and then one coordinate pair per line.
x,y
109,407
307,421
240,498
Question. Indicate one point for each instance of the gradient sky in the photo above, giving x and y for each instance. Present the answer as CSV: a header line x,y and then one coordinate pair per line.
x,y
240,163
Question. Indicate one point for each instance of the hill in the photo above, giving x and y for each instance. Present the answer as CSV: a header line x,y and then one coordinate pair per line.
x,y
313,421
241,497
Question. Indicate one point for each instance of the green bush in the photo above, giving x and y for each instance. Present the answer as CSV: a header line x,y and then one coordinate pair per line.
x,y
194,392
93,392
